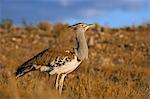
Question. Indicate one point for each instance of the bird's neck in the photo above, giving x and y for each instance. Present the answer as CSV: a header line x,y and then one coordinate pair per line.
x,y
82,47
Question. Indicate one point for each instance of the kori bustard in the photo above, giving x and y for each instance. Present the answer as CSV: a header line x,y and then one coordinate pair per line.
x,y
60,62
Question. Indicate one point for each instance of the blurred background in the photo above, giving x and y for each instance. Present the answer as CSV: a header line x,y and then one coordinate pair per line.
x,y
113,13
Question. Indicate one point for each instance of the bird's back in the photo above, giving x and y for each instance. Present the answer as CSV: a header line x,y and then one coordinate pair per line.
x,y
50,57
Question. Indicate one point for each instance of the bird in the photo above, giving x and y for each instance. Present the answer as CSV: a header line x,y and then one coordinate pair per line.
x,y
60,62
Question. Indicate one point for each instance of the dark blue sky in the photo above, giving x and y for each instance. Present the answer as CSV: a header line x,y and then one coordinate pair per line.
x,y
115,13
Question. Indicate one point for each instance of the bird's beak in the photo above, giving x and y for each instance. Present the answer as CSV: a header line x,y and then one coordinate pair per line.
x,y
91,25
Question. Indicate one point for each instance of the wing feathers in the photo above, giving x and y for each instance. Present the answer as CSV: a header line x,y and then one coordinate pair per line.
x,y
49,58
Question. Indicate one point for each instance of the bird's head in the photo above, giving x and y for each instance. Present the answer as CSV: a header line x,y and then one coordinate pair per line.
x,y
81,26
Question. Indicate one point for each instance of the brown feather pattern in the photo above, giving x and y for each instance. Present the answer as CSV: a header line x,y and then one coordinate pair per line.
x,y
45,58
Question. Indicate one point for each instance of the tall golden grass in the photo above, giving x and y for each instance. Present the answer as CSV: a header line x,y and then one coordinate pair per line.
x,y
118,65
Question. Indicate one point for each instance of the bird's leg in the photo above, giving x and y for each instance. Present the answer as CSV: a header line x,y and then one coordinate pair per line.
x,y
61,82
57,81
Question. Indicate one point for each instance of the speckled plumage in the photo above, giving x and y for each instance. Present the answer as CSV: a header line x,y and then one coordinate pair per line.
x,y
49,57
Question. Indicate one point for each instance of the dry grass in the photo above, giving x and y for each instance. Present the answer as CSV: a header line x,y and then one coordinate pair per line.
x,y
118,65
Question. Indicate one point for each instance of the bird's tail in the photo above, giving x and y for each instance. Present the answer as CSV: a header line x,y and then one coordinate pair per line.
x,y
23,70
